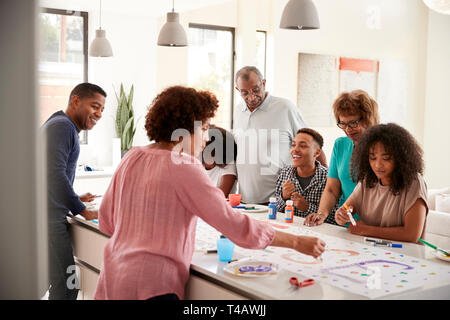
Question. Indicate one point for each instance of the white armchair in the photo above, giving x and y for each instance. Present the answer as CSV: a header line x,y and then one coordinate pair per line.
x,y
438,221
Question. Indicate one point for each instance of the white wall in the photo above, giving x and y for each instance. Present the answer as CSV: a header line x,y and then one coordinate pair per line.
x,y
406,32
398,33
133,39
437,105
346,31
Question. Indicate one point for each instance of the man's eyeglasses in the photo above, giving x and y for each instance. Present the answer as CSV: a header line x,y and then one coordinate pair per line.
x,y
254,92
352,124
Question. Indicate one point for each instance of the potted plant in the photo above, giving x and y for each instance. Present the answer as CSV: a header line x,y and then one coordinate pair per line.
x,y
125,127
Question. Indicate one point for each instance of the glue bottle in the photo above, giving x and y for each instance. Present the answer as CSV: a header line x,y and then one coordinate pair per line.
x,y
289,212
273,208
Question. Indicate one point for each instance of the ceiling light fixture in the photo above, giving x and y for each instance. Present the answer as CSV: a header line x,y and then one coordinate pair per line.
x,y
441,6
100,46
300,15
172,33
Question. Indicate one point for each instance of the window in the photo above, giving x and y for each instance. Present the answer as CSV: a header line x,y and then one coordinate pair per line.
x,y
211,66
62,59
261,45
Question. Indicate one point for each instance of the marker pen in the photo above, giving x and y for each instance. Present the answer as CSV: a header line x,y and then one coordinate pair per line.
x,y
388,244
349,212
378,241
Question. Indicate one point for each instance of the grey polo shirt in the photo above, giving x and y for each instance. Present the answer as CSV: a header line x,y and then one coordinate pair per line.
x,y
264,139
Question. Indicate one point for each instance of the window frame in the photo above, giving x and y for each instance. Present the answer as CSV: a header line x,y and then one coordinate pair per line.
x,y
265,50
85,16
233,57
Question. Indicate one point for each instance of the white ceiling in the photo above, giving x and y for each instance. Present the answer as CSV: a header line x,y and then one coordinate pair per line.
x,y
151,8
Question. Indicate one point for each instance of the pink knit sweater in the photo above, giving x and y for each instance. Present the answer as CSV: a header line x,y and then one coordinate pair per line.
x,y
150,210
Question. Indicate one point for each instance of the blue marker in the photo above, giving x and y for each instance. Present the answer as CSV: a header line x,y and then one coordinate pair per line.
x,y
388,244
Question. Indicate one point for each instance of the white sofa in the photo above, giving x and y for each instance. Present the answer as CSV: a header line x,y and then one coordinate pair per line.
x,y
437,229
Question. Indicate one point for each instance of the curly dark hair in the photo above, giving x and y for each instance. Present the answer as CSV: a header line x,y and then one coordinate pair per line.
x,y
178,107
406,152
227,151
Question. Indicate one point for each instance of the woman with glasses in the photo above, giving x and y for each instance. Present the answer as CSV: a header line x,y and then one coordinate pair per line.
x,y
355,112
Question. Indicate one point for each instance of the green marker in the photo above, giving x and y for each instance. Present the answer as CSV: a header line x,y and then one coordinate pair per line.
x,y
434,247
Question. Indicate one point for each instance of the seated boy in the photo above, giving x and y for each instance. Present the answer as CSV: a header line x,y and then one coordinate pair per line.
x,y
304,180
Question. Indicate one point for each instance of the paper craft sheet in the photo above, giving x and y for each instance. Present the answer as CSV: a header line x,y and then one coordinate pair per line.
x,y
355,267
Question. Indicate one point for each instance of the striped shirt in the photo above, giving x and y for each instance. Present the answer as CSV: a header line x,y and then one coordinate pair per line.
x,y
311,193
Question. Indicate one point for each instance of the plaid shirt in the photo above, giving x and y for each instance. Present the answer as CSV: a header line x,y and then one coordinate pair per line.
x,y
311,193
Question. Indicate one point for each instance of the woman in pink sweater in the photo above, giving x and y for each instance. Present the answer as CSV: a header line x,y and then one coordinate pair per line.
x,y
151,207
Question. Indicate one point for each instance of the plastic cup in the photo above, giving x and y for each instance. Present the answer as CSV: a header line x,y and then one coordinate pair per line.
x,y
235,199
225,249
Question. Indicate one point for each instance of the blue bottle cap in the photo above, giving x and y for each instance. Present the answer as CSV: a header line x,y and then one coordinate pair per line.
x,y
396,245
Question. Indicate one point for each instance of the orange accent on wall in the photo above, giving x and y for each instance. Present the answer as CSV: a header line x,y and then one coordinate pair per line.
x,y
359,65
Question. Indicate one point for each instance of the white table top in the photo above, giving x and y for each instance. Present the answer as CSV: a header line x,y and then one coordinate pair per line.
x,y
277,286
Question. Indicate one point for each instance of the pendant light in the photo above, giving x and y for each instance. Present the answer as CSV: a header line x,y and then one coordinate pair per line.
x,y
172,33
300,15
100,46
441,6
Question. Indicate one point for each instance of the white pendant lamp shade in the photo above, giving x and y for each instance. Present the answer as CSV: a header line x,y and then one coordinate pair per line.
x,y
172,33
441,6
300,15
100,47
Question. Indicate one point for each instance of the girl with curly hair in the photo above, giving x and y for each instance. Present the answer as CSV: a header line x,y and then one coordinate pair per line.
x,y
391,194
155,197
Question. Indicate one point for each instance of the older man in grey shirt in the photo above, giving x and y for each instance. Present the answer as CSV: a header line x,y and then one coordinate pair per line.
x,y
264,127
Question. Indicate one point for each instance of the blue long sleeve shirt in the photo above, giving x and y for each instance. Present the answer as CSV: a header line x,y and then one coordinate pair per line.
x,y
63,149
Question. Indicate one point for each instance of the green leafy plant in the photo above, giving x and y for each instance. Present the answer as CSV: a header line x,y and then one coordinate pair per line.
x,y
125,127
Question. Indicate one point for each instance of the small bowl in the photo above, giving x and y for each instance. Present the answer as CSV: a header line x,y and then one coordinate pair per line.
x,y
235,199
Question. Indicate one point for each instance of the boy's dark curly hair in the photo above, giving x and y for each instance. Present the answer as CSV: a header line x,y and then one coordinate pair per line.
x,y
178,107
406,152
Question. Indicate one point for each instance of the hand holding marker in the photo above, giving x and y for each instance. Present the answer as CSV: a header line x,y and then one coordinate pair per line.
x,y
349,212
